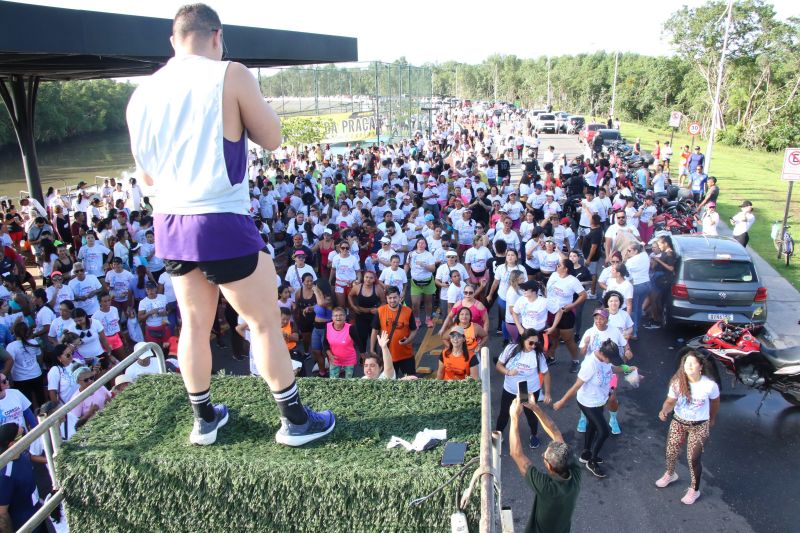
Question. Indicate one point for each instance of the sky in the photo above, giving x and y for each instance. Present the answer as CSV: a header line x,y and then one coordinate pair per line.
x,y
467,32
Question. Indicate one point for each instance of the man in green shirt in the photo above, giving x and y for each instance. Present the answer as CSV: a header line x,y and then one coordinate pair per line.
x,y
556,489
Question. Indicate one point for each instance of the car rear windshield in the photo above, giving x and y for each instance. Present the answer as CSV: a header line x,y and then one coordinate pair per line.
x,y
717,271
547,117
595,127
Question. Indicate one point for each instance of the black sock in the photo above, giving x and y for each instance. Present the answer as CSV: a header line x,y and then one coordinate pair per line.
x,y
201,405
289,404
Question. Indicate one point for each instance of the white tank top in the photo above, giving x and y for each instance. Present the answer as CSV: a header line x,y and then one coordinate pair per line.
x,y
175,123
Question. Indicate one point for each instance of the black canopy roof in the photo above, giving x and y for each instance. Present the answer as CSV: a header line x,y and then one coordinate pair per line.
x,y
66,44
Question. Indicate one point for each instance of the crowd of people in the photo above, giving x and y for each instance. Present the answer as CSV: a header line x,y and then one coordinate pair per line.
x,y
373,245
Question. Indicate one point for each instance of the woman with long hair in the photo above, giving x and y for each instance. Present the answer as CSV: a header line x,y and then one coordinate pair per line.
x,y
304,300
513,294
323,314
502,274
27,370
479,313
457,361
618,317
92,346
476,335
61,385
693,395
523,361
364,299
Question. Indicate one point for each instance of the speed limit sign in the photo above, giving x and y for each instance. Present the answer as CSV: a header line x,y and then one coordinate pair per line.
x,y
694,128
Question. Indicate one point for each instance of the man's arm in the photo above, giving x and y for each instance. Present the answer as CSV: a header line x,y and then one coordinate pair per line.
x,y
514,441
547,422
258,118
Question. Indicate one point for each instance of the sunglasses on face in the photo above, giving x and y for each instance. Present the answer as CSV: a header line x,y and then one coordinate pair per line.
x,y
470,293
456,336
79,271
88,380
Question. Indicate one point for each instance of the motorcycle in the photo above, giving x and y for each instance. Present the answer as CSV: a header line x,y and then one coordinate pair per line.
x,y
743,355
675,224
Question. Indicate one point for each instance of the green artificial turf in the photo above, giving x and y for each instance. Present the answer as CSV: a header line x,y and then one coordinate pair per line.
x,y
743,175
131,468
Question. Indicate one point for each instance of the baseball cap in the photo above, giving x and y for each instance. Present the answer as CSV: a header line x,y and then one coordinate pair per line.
x,y
529,286
602,311
56,273
565,220
329,231
746,203
386,240
429,218
550,193
298,252
149,285
451,253
146,355
459,330
122,379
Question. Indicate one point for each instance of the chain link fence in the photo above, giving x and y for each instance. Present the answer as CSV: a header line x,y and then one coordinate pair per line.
x,y
365,101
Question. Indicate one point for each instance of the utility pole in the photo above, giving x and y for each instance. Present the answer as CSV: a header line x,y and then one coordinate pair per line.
x,y
716,111
548,83
614,86
495,82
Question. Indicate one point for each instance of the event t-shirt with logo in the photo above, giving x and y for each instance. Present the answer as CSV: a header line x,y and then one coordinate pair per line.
x,y
12,407
596,376
698,408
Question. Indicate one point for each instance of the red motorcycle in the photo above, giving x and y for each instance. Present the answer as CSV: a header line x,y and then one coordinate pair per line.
x,y
751,362
674,223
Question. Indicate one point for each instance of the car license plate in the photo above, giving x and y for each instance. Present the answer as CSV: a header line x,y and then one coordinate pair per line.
x,y
720,316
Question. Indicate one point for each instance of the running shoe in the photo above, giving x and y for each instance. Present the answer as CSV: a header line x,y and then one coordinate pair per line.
x,y
594,468
581,424
534,442
614,425
590,295
317,426
666,479
576,365
691,496
205,433
428,323
498,332
586,456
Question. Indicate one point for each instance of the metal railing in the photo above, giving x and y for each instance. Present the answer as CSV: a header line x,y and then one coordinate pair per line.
x,y
49,425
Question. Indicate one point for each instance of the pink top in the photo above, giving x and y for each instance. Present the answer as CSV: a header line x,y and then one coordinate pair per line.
x,y
341,345
99,398
477,314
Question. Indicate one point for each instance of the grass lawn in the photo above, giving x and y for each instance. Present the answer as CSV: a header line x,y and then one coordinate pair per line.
x,y
743,175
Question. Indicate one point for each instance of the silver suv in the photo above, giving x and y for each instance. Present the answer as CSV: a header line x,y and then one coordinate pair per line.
x,y
715,280
545,122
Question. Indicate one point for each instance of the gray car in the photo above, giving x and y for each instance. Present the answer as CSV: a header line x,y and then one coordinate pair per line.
x,y
716,280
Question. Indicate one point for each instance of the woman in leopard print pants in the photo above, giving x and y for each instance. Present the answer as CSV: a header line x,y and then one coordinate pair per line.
x,y
694,397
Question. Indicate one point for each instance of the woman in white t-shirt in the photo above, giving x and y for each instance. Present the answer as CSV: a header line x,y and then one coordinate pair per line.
x,y
393,275
345,271
27,370
593,386
91,340
502,274
153,312
513,293
420,265
618,317
694,396
476,260
523,361
530,312
564,293
618,282
61,384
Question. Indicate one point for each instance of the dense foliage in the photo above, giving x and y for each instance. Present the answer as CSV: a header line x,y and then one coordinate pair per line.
x,y
132,469
73,108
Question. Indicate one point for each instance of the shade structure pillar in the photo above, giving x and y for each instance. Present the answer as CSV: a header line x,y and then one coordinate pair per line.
x,y
19,96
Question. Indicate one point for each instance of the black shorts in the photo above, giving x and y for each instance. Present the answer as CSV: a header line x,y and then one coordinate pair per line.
x,y
567,320
217,272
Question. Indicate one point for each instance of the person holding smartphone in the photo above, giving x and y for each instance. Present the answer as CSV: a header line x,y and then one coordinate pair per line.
x,y
523,363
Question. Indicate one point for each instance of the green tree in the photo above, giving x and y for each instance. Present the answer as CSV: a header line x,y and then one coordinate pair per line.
x,y
304,130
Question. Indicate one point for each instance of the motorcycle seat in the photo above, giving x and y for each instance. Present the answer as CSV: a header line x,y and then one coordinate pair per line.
x,y
781,357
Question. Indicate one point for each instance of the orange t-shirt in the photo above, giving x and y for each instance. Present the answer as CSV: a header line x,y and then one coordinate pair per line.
x,y
386,318
287,329
457,367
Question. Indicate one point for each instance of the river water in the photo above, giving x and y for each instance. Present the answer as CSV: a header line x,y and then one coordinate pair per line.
x,y
82,159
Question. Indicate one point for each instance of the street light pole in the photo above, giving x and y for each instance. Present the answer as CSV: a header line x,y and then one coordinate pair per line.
x,y
614,86
548,83
715,113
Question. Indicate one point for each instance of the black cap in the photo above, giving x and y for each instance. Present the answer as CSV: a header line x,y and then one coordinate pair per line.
x,y
149,285
529,286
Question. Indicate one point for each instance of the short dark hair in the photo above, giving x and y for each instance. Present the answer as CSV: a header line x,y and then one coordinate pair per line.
x,y
392,290
195,18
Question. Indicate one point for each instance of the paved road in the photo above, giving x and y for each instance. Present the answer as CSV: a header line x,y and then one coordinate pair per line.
x,y
750,464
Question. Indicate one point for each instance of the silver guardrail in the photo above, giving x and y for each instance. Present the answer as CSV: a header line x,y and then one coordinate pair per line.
x,y
50,425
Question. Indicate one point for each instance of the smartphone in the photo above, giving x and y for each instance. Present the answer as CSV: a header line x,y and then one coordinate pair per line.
x,y
454,453
522,391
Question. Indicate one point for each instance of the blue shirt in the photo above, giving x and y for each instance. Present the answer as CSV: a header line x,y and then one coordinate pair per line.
x,y
698,182
18,490
641,174
696,160
5,336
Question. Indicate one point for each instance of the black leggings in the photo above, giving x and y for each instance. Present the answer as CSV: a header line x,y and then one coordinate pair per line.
x,y
503,416
596,429
743,239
